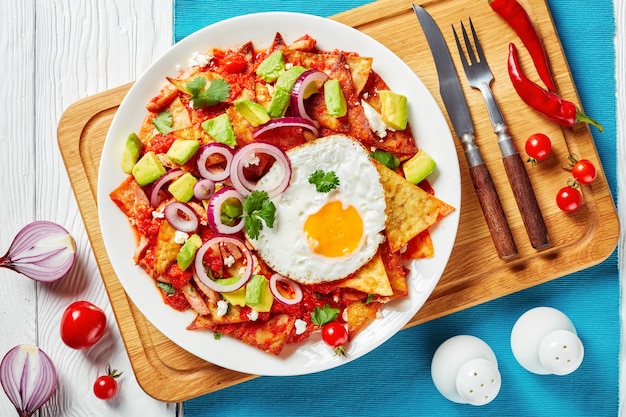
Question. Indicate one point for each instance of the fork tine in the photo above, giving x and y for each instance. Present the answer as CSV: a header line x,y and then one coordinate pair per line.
x,y
468,44
479,49
460,48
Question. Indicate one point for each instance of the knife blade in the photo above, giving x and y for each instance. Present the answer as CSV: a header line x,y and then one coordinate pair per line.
x,y
458,112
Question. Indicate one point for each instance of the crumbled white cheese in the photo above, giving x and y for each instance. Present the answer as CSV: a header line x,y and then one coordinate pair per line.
x,y
252,160
376,122
222,308
198,60
180,237
253,315
229,261
158,214
300,326
288,65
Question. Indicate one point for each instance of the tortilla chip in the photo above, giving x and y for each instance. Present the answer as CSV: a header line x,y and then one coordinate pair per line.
x,y
395,272
359,315
180,115
370,279
410,210
166,249
420,247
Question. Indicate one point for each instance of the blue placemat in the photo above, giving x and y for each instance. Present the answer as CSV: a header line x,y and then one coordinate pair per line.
x,y
394,380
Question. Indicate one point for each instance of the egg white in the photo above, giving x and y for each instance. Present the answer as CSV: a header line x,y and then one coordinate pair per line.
x,y
284,247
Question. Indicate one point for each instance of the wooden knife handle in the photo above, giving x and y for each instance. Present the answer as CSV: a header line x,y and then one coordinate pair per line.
x,y
493,212
526,201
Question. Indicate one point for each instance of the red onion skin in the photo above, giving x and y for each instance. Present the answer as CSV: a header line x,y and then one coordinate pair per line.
x,y
200,268
214,211
28,392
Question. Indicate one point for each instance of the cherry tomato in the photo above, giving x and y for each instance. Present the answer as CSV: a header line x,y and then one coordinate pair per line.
x,y
568,199
335,335
106,386
82,325
234,62
584,171
538,146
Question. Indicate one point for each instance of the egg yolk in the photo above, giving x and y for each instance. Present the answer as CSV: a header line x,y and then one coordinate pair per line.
x,y
334,231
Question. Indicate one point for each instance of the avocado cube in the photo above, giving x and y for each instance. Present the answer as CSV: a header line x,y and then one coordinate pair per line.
x,y
148,169
334,99
221,129
182,187
188,251
258,294
182,150
132,150
271,67
420,166
282,92
393,109
252,112
237,297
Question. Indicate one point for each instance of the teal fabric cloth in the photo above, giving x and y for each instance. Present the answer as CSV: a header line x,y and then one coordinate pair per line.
x,y
394,380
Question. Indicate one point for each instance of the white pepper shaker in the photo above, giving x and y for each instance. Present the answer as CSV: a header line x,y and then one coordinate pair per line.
x,y
544,341
465,370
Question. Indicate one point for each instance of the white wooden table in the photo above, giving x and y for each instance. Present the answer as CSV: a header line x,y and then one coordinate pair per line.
x,y
55,52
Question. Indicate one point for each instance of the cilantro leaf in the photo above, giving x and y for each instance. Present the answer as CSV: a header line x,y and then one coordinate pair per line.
x,y
217,91
258,209
324,181
163,122
326,314
385,158
168,289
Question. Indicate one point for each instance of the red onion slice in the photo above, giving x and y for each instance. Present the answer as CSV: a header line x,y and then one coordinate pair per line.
x,y
211,149
293,121
204,189
42,250
245,155
297,296
28,377
201,271
214,211
182,217
158,185
297,93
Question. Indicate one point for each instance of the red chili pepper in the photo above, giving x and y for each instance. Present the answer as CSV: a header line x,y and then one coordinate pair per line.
x,y
549,104
516,16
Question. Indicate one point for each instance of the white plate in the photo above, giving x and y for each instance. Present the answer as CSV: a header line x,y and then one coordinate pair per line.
x,y
431,132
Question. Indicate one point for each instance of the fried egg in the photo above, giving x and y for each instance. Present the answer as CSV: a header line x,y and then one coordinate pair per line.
x,y
318,236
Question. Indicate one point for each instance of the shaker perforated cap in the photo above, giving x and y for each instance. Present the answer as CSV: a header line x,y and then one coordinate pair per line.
x,y
478,381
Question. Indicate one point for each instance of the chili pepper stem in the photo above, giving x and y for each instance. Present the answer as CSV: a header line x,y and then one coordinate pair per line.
x,y
581,117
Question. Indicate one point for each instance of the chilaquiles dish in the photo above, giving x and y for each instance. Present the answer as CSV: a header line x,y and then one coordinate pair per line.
x,y
275,190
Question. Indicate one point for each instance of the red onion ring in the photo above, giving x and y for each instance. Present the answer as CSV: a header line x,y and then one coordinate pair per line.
x,y
215,209
286,122
275,279
201,272
246,187
297,93
165,178
204,189
208,150
182,217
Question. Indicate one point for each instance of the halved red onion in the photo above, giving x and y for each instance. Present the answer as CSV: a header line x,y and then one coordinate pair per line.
x,y
297,92
204,189
42,250
292,121
165,178
182,217
245,155
212,149
215,209
201,271
297,291
28,377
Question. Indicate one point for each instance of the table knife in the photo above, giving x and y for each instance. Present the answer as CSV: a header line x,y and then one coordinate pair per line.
x,y
456,106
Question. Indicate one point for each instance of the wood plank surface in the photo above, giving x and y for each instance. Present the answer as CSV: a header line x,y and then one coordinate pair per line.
x,y
474,274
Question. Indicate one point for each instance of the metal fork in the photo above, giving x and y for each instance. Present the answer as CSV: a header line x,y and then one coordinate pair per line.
x,y
479,76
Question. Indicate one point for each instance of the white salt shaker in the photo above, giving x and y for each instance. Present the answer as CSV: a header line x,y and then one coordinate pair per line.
x,y
544,341
465,370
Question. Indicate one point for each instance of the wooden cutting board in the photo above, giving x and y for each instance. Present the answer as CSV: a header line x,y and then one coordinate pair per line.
x,y
474,274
